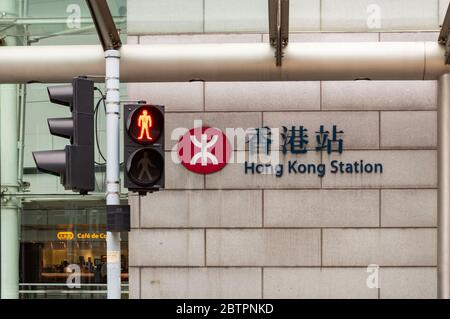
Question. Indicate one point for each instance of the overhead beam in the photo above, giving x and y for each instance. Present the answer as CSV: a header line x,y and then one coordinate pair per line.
x,y
229,62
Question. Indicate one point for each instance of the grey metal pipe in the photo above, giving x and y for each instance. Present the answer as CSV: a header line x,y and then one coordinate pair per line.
x,y
230,62
23,101
444,187
46,21
21,131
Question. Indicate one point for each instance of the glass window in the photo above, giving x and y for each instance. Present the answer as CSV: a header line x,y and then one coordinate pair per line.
x,y
63,250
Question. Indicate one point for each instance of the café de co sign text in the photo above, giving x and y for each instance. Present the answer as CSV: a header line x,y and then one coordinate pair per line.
x,y
69,235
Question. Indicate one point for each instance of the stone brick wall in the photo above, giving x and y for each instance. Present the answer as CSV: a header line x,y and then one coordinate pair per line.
x,y
231,235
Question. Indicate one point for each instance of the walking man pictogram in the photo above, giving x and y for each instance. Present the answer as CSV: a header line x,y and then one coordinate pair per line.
x,y
145,123
145,165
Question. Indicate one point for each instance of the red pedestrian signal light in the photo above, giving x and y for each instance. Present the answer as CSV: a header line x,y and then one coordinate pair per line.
x,y
145,124
144,147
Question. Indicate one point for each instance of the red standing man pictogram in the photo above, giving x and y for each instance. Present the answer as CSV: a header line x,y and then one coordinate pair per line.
x,y
145,123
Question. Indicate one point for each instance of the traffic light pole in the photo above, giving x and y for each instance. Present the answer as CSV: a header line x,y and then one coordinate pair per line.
x,y
112,81
111,43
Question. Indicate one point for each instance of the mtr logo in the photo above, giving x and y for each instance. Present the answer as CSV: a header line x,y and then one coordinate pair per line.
x,y
204,150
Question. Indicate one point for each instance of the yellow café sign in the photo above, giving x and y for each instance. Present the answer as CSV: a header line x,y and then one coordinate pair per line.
x,y
65,235
68,235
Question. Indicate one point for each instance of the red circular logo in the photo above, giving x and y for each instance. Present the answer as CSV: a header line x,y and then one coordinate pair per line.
x,y
204,150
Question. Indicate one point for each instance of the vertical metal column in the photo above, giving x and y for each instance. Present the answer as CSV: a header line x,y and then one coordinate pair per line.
x,y
9,186
112,167
9,180
444,187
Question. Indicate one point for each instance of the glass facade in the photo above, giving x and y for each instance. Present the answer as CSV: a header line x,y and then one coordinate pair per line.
x,y
218,16
61,234
60,238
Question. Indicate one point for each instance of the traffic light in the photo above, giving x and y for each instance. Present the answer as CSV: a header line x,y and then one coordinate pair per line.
x,y
74,164
144,147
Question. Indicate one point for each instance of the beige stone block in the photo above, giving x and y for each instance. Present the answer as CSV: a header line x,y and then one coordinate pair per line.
x,y
263,247
168,247
383,247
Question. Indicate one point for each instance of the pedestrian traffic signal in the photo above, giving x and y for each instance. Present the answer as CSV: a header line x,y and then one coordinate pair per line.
x,y
144,147
146,124
74,164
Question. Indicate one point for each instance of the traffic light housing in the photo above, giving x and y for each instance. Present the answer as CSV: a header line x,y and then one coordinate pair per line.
x,y
74,164
144,147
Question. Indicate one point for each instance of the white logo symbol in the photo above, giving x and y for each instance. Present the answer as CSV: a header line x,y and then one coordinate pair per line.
x,y
204,154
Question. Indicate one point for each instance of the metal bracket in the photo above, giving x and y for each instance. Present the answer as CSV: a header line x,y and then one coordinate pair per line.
x,y
444,35
278,27
133,101
3,191
8,199
24,186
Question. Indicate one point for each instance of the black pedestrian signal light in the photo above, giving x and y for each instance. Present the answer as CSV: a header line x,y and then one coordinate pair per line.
x,y
144,147
74,164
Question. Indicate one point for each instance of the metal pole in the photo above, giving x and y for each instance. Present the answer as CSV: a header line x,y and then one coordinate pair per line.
x,y
9,179
21,133
112,167
49,21
111,43
22,101
444,187
9,187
